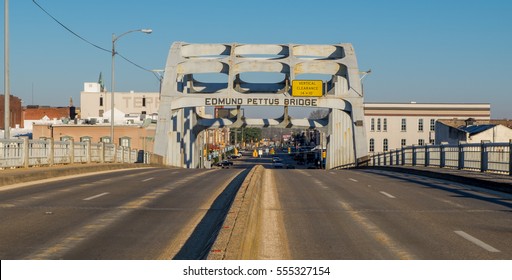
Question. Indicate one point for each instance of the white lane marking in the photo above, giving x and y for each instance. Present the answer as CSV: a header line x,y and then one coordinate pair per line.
x,y
104,181
452,203
148,179
353,180
96,196
387,194
332,173
476,241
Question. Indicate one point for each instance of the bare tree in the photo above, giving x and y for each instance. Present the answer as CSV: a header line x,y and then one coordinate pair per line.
x,y
318,114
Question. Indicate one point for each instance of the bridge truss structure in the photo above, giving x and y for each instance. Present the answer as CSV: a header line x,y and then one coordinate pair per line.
x,y
181,121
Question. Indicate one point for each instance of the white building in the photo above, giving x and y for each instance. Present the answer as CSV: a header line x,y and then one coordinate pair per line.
x,y
472,131
96,103
390,126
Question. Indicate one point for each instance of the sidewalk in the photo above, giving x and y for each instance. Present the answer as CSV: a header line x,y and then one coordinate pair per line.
x,y
22,175
497,182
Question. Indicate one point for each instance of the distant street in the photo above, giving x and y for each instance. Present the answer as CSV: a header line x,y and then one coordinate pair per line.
x,y
168,213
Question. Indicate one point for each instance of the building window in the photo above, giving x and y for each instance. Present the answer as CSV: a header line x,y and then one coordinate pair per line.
x,y
66,138
372,145
403,142
432,141
85,139
101,101
105,139
421,142
385,125
420,125
372,125
385,144
404,125
432,124
143,101
378,124
124,141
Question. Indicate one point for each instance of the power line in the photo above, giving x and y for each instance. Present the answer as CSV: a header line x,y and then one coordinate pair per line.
x,y
89,42
71,31
138,66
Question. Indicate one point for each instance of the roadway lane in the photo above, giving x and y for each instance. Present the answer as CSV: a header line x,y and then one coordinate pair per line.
x,y
132,214
365,214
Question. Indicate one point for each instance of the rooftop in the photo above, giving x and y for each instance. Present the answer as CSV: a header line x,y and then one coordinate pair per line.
x,y
463,122
475,129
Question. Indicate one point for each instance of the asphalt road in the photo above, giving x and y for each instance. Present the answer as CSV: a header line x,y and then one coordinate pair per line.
x,y
365,214
154,213
165,213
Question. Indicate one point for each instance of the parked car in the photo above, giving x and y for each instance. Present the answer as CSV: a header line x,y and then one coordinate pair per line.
x,y
239,155
224,163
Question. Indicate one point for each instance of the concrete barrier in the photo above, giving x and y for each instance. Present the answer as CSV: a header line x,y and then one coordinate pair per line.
x,y
237,238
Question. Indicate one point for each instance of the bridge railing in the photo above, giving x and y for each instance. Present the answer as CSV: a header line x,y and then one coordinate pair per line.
x,y
483,157
26,153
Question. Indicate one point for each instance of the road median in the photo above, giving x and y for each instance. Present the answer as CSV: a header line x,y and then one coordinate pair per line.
x,y
238,232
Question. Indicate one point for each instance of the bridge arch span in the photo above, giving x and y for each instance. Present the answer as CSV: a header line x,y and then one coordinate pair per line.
x,y
180,126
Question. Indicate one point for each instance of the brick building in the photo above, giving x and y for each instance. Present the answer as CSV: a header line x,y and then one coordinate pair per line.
x,y
44,115
16,112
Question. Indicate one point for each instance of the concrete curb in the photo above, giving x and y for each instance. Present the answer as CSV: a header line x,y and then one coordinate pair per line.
x,y
232,242
23,175
472,179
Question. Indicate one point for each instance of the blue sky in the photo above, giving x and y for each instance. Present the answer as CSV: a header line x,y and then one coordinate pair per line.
x,y
423,51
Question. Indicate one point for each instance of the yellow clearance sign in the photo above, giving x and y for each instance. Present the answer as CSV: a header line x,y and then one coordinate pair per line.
x,y
307,88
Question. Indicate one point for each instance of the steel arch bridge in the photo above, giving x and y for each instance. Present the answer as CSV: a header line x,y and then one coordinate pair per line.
x,y
180,126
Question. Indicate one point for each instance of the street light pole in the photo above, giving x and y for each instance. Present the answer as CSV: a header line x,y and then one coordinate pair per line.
x,y
159,74
114,40
7,100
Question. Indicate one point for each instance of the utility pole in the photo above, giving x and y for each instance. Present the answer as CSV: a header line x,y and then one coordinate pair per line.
x,y
7,108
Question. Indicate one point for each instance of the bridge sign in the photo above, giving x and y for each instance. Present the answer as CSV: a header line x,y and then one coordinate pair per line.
x,y
307,88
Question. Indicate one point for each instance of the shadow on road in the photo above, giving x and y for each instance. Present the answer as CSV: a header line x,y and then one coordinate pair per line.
x,y
455,192
200,242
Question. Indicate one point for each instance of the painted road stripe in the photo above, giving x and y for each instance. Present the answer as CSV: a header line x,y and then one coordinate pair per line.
x,y
148,179
476,241
353,180
387,194
96,196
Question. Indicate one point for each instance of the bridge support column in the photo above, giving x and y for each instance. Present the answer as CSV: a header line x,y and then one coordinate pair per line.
x,y
340,142
182,145
347,137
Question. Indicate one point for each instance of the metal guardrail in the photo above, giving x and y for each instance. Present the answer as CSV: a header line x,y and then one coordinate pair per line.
x,y
483,157
26,153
